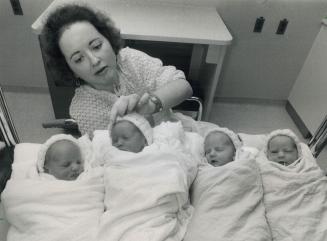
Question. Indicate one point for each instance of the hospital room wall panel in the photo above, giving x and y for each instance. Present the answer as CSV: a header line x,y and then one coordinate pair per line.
x,y
21,62
309,94
265,65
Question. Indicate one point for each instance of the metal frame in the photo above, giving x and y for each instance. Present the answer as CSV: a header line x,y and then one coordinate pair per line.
x,y
8,129
319,139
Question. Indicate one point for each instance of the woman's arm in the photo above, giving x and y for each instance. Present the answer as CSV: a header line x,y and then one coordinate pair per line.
x,y
165,82
170,95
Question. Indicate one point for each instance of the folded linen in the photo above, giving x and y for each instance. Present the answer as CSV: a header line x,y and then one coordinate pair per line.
x,y
50,209
228,203
295,198
146,195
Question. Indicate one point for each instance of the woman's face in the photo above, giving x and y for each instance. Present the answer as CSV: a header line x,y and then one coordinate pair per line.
x,y
89,55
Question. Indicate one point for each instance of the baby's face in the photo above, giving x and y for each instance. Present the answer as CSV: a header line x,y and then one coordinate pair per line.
x,y
282,149
64,161
219,149
127,137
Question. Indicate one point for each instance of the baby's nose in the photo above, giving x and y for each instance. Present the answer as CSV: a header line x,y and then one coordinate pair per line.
x,y
75,167
211,153
281,154
119,142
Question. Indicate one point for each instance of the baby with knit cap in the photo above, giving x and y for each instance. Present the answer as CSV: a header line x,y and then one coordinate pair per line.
x,y
282,147
131,133
60,198
220,146
60,157
154,174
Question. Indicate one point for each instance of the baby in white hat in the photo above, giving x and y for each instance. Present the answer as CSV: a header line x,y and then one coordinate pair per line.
x,y
220,146
131,133
283,147
61,157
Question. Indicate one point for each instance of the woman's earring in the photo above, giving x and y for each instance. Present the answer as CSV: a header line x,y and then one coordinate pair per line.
x,y
77,82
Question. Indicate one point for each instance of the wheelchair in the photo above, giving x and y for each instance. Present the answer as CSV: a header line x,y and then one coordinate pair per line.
x,y
192,107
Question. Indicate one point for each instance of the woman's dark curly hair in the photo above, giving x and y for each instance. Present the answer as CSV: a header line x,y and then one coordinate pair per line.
x,y
62,18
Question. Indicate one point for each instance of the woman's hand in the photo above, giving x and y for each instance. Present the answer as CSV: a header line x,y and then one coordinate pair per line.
x,y
145,106
129,103
123,106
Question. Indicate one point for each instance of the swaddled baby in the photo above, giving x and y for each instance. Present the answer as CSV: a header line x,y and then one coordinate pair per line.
x,y
228,185
146,185
283,147
295,189
61,157
220,146
59,201
131,133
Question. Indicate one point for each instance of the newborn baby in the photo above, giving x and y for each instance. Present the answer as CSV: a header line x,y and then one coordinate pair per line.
x,y
131,133
283,147
220,145
59,199
61,157
154,174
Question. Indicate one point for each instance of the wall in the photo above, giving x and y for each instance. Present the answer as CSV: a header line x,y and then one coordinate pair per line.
x,y
256,66
309,94
21,62
322,159
266,65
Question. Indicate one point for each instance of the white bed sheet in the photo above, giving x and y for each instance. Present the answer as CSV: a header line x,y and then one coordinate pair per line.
x,y
25,156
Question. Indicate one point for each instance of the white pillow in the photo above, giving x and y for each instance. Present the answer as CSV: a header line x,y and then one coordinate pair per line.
x,y
25,156
100,143
256,141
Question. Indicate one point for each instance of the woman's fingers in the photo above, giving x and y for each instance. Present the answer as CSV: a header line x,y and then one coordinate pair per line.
x,y
124,105
113,114
132,102
143,100
143,106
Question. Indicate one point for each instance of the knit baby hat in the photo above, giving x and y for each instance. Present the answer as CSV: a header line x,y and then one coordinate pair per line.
x,y
44,148
232,135
141,123
283,132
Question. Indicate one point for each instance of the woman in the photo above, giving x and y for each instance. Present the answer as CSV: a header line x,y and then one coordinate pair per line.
x,y
114,80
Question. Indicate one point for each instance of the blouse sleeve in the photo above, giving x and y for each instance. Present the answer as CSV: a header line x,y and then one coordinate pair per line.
x,y
150,71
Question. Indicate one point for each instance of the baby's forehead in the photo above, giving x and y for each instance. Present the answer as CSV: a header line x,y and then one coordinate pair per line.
x,y
64,146
218,136
124,125
281,139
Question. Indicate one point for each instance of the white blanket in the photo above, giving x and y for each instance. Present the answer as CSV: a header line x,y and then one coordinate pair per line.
x,y
146,196
54,210
295,198
228,203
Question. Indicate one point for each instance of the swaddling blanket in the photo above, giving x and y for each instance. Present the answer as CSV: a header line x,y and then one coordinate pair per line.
x,y
54,210
228,203
295,198
146,196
